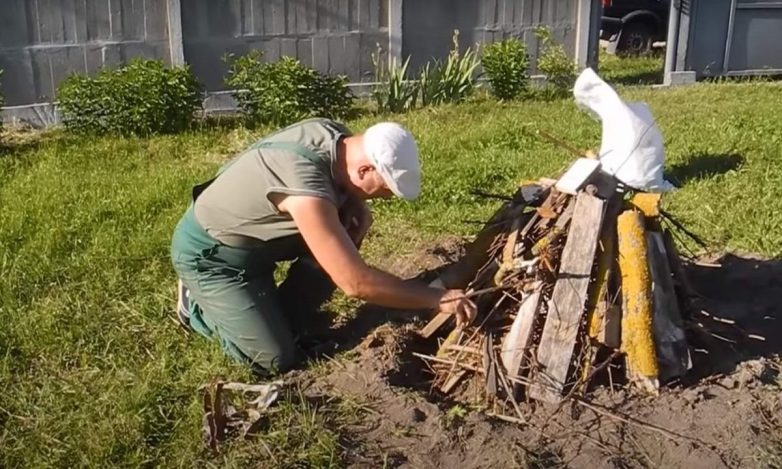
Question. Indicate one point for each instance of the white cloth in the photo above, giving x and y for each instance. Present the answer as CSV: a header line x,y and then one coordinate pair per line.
x,y
632,145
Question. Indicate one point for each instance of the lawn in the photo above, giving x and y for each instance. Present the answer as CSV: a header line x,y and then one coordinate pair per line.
x,y
641,70
95,372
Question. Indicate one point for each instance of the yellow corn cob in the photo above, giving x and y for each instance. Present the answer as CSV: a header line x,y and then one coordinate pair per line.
x,y
637,335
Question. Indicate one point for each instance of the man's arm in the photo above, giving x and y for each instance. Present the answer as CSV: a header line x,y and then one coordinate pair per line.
x,y
319,224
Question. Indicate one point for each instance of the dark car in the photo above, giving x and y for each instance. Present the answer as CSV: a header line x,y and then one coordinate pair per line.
x,y
632,26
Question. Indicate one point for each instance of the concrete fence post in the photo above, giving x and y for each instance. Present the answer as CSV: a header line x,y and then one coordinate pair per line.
x,y
175,45
395,30
587,33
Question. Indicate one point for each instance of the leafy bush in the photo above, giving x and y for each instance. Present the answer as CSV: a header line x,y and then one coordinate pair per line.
x,y
393,92
505,64
143,97
285,91
449,82
554,63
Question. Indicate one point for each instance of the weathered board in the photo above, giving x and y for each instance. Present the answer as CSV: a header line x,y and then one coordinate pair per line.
x,y
673,354
436,323
568,299
577,175
605,314
516,343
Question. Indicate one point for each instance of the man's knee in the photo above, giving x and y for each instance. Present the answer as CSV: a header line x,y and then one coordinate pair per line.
x,y
272,357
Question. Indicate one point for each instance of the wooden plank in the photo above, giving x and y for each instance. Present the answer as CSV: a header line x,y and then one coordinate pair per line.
x,y
577,175
436,323
506,265
682,281
568,299
604,316
673,355
605,185
489,364
611,335
517,342
453,381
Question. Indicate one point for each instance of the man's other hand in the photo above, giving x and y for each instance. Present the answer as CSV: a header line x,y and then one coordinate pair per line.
x,y
456,302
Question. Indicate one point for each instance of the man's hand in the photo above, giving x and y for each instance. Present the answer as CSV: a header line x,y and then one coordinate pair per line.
x,y
356,217
456,302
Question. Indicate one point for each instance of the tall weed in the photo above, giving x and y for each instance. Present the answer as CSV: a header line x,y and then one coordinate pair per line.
x,y
394,92
452,81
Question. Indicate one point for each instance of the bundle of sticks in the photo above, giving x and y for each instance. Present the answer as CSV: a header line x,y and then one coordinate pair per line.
x,y
569,275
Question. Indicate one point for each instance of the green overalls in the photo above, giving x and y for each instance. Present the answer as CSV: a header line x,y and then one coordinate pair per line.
x,y
234,298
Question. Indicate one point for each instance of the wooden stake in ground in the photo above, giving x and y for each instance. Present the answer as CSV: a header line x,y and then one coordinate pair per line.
x,y
568,300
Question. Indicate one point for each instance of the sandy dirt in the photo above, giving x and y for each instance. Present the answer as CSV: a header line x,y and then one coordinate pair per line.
x,y
726,413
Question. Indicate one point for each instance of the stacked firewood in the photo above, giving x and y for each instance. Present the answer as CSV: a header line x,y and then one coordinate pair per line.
x,y
569,276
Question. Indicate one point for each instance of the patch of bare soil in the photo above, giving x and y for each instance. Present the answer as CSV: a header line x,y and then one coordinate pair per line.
x,y
725,413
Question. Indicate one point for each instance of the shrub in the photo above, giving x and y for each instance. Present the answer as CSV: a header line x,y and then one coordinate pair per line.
x,y
141,98
505,65
393,91
449,82
285,91
554,63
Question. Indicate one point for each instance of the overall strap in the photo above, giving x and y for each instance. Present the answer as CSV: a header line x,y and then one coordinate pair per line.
x,y
294,148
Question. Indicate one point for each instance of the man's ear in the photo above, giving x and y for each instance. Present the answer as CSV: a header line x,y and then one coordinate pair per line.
x,y
363,170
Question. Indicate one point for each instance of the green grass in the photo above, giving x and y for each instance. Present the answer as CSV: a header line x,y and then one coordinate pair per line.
x,y
95,373
644,69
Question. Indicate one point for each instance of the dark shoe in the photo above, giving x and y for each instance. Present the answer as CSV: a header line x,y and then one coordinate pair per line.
x,y
183,305
315,348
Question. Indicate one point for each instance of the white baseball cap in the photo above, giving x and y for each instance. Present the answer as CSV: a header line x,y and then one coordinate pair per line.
x,y
393,152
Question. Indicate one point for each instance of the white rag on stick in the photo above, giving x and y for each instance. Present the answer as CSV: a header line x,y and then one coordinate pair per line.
x,y
632,145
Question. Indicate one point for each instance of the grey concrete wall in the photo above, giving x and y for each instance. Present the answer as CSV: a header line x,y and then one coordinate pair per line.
x,y
42,41
428,25
333,36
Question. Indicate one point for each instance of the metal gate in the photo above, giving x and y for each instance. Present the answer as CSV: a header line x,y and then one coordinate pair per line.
x,y
729,37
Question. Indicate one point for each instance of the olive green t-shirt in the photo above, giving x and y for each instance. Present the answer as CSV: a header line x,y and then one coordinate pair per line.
x,y
235,208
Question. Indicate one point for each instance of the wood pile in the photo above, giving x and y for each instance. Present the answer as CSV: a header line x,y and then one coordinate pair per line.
x,y
569,276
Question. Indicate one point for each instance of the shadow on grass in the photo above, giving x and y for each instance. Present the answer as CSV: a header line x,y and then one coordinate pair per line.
x,y
736,315
651,77
703,166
